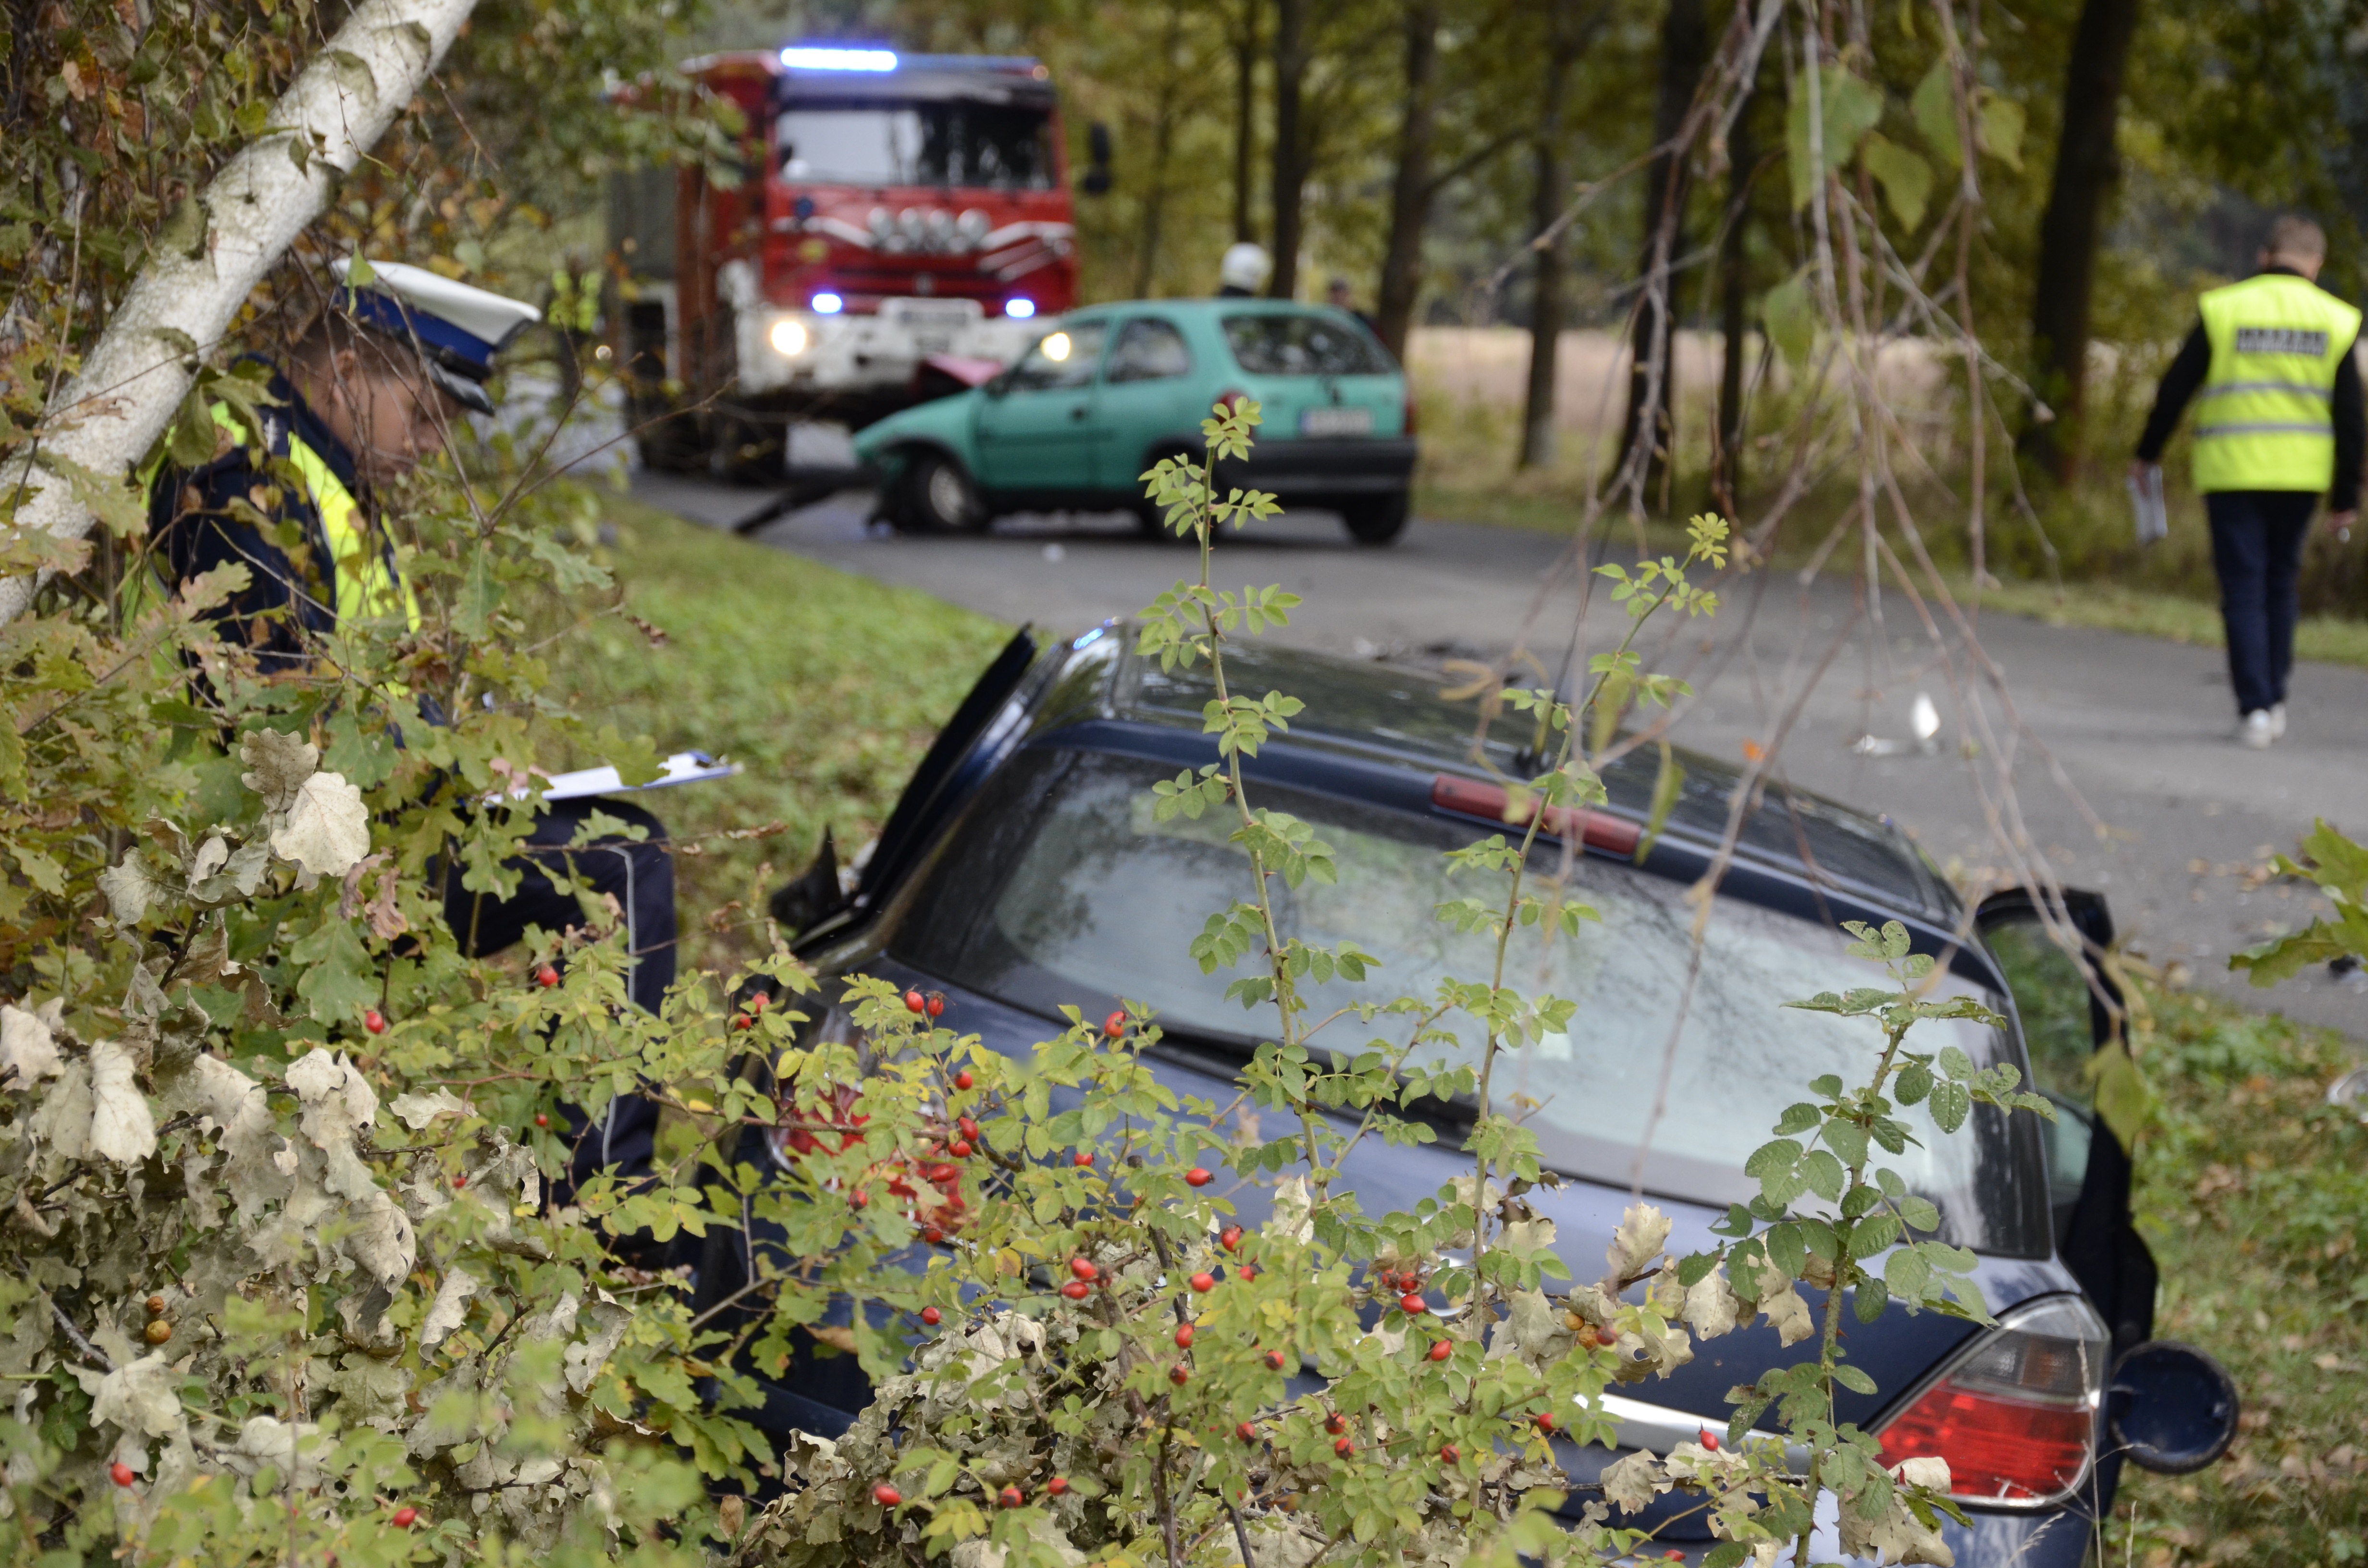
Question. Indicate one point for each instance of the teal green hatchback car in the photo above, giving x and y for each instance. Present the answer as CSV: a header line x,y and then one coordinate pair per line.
x,y
1108,391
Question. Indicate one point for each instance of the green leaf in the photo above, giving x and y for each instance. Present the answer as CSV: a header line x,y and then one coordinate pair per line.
x,y
1912,1084
1951,1102
338,983
1847,1140
1871,1296
1935,110
1792,324
1999,127
1666,783
1906,179
1847,109
1852,1379
1800,1118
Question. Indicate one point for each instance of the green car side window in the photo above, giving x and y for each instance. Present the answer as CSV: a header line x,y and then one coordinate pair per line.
x,y
1149,349
1063,359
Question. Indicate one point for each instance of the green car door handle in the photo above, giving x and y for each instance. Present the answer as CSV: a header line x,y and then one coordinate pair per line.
x,y
1078,412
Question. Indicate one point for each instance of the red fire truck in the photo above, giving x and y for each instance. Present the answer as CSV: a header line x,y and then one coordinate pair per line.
x,y
901,224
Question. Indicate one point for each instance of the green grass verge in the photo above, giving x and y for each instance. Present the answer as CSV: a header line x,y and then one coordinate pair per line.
x,y
2253,1193
826,687
2109,607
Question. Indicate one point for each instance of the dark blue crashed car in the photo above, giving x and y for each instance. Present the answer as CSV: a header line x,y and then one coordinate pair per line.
x,y
1010,877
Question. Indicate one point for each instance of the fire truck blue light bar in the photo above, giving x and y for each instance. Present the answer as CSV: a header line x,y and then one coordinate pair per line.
x,y
798,58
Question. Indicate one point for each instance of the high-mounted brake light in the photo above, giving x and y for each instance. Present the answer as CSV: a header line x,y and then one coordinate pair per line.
x,y
798,58
1474,798
2016,1414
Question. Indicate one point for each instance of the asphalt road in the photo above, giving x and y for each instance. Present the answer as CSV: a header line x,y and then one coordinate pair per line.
x,y
2107,757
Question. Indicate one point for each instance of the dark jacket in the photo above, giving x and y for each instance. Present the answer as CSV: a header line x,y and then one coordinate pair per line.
x,y
213,515
2195,362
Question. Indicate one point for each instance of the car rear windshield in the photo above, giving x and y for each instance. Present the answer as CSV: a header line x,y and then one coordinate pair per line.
x,y
1303,343
1066,890
994,147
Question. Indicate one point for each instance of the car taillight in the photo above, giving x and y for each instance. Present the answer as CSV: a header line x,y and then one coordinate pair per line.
x,y
1230,396
1409,412
2016,1414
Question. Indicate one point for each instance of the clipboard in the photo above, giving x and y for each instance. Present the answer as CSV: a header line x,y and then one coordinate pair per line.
x,y
682,768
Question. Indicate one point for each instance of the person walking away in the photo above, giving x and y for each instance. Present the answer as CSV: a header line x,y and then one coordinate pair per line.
x,y
1342,297
367,395
1243,270
2278,424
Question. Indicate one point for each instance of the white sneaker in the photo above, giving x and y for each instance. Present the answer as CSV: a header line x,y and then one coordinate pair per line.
x,y
2258,731
2278,722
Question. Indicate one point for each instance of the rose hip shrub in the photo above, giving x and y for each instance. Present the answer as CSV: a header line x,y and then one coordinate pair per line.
x,y
1101,1369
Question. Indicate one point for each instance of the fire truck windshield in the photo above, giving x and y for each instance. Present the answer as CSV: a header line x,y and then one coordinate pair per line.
x,y
973,145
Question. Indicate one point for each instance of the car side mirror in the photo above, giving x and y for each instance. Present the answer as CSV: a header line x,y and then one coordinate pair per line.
x,y
2170,1407
1097,178
995,386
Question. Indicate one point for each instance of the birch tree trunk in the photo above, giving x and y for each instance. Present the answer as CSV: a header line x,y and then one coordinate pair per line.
x,y
105,417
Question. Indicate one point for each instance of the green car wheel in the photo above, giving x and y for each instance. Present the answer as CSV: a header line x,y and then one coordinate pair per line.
x,y
933,495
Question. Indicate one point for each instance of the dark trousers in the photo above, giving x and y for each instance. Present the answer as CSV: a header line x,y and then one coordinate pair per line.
x,y
638,874
2257,540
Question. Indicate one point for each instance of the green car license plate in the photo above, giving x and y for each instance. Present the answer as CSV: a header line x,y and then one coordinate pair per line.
x,y
1337,421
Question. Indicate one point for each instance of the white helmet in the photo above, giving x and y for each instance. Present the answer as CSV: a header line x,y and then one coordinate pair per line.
x,y
1245,265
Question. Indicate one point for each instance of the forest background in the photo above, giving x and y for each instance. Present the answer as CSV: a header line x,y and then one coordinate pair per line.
x,y
1414,148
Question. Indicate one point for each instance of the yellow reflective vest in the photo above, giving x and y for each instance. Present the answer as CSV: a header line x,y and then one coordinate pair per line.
x,y
364,583
2264,419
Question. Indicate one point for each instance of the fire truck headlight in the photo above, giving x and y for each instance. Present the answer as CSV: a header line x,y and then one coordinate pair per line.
x,y
788,336
1020,309
828,304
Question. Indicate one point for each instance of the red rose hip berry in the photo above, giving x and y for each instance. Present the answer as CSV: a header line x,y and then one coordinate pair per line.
x,y
1076,1290
1056,1486
1230,1238
914,1001
1440,1349
1335,1424
959,1149
1274,1360
1184,1336
123,1474
1344,1447
937,1006
1011,1497
1449,1452
1414,1306
1115,1025
1545,1421
931,1316
1179,1374
405,1518
1246,1432
962,1080
1204,1282
1082,1158
375,1021
1197,1176
1083,1268
546,977
886,1495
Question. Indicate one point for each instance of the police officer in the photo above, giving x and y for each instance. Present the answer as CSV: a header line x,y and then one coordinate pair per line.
x,y
2277,425
365,397
1243,270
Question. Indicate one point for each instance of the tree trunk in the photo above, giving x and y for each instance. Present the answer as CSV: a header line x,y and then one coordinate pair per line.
x,y
1735,288
1245,57
1290,148
1652,370
1546,206
1410,196
106,417
1163,144
2085,169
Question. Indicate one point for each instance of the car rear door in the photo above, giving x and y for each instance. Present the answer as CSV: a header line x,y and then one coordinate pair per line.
x,y
1148,396
2051,950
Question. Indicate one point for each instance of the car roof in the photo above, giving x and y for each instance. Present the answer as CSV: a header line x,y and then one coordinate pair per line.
x,y
1396,715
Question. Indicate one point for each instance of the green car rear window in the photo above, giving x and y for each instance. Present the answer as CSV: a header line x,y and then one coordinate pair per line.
x,y
1303,343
